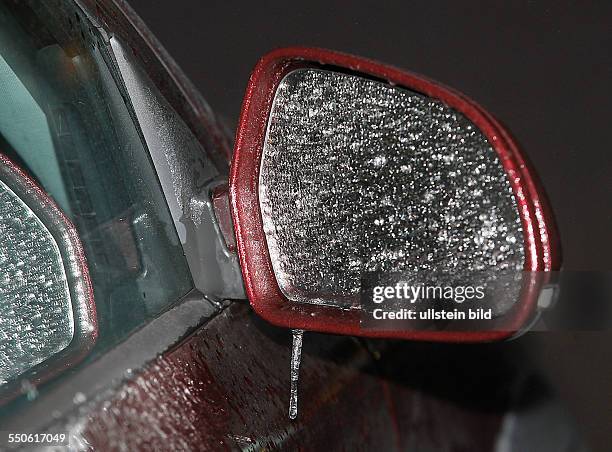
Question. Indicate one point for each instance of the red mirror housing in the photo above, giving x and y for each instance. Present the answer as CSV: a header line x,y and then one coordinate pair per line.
x,y
540,248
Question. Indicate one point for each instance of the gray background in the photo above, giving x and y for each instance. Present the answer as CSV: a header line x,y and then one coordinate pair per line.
x,y
544,68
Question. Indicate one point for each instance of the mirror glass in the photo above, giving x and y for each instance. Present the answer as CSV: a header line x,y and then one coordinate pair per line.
x,y
361,176
36,313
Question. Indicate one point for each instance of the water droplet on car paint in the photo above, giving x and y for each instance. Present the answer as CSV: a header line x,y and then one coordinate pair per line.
x,y
29,390
79,398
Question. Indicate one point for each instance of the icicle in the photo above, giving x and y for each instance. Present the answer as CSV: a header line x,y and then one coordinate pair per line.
x,y
296,355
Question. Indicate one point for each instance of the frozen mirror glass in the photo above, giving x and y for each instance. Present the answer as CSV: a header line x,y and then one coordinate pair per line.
x,y
358,176
46,300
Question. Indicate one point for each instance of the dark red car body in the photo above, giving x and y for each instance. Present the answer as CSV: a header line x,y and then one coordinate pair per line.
x,y
221,382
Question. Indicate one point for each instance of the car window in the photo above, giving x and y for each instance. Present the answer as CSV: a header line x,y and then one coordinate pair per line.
x,y
64,122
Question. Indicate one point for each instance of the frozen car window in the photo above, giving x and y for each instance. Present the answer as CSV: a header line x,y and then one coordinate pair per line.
x,y
64,122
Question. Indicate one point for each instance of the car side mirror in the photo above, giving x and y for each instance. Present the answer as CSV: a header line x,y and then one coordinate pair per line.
x,y
47,313
345,167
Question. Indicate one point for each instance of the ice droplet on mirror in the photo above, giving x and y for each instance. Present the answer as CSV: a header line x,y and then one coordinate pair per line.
x,y
296,356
